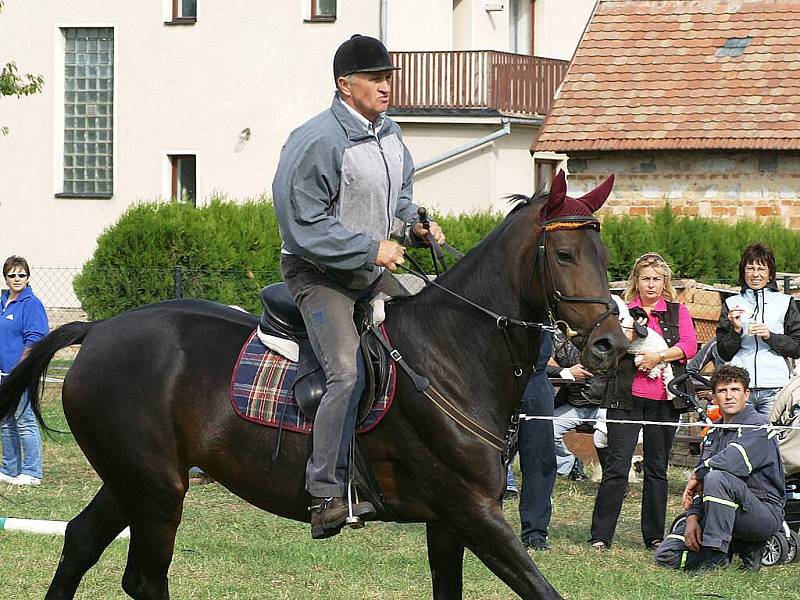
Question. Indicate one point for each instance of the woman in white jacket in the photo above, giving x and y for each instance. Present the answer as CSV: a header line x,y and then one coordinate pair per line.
x,y
759,328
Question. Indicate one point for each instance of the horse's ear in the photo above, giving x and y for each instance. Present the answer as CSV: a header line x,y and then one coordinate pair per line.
x,y
558,192
595,199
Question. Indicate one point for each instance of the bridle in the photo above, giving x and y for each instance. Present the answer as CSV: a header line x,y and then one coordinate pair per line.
x,y
545,272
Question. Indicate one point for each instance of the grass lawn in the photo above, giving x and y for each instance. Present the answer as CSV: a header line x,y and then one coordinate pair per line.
x,y
228,549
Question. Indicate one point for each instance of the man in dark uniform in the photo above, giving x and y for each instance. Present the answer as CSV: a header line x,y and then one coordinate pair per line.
x,y
735,497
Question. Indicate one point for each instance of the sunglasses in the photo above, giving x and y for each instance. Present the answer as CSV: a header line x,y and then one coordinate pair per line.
x,y
651,256
16,275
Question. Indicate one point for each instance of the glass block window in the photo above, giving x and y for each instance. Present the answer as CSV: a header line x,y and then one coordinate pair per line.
x,y
88,110
323,9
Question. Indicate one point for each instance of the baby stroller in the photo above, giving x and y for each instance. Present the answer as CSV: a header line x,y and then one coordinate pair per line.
x,y
784,546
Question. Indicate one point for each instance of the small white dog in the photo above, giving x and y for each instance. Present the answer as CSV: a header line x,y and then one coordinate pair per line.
x,y
653,342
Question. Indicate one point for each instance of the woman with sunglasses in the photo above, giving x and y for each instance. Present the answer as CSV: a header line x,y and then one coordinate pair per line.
x,y
634,396
759,328
23,322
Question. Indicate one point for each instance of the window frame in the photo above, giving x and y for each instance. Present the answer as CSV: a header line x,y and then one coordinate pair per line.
x,y
316,17
173,162
177,18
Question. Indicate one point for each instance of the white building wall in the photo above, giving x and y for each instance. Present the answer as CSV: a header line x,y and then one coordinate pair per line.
x,y
476,180
559,26
193,89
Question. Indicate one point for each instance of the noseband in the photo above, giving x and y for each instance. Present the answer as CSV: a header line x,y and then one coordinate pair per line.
x,y
545,272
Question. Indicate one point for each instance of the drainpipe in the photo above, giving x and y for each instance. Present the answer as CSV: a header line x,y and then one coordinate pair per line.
x,y
506,130
384,20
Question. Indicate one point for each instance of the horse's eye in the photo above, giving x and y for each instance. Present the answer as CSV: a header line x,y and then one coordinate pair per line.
x,y
564,256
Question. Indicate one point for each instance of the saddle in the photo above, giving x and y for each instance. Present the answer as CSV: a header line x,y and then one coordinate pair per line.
x,y
282,319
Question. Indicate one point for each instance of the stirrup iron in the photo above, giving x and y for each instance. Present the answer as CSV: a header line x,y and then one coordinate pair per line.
x,y
352,521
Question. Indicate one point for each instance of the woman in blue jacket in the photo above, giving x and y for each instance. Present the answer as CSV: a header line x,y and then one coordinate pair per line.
x,y
23,322
759,328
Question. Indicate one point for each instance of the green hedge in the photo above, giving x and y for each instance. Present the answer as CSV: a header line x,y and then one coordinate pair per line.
x,y
228,251
703,249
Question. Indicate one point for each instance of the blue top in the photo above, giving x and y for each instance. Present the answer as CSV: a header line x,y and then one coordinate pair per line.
x,y
23,322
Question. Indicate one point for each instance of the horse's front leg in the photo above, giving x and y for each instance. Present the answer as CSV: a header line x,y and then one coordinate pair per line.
x,y
446,559
483,529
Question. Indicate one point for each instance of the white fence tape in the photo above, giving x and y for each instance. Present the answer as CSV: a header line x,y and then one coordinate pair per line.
x,y
525,417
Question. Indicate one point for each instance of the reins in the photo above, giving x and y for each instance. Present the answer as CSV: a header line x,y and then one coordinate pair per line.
x,y
503,322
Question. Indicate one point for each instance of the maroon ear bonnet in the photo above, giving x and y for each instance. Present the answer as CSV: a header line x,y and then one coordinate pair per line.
x,y
560,205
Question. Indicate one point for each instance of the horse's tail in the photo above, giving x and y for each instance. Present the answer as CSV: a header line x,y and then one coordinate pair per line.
x,y
28,374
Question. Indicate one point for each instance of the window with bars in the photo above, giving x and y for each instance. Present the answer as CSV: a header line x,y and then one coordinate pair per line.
x,y
88,112
323,10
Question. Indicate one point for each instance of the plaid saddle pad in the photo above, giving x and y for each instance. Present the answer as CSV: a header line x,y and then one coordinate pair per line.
x,y
261,390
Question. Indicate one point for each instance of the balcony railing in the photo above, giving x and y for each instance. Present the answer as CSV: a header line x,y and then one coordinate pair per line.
x,y
476,79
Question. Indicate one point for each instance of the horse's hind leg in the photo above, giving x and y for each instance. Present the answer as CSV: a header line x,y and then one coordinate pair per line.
x,y
446,559
86,537
154,522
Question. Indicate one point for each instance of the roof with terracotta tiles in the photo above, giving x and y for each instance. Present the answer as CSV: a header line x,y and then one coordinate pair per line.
x,y
657,74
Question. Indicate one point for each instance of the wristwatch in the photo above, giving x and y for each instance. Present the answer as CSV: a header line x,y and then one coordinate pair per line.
x,y
662,355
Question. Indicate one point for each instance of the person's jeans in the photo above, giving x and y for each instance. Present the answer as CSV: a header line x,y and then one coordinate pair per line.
x,y
537,459
622,439
569,417
22,442
762,399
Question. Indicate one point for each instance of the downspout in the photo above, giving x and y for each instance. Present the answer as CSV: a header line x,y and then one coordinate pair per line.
x,y
506,130
384,20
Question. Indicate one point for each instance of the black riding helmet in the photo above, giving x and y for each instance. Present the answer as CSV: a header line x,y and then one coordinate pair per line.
x,y
361,54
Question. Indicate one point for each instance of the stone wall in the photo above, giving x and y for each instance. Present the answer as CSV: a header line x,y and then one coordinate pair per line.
x,y
729,185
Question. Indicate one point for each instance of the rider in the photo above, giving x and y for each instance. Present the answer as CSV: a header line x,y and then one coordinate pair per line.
x,y
342,188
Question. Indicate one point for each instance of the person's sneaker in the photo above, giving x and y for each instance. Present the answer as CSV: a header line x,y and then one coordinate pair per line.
x,y
26,480
707,559
598,545
576,473
8,479
537,544
328,515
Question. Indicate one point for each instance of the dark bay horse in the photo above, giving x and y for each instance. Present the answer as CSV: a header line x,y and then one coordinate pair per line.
x,y
148,396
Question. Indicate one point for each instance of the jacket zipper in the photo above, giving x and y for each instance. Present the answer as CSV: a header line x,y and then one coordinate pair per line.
x,y
389,187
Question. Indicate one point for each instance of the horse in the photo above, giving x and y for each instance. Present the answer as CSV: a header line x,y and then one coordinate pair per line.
x,y
147,397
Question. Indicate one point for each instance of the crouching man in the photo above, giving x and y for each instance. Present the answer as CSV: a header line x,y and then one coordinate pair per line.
x,y
735,497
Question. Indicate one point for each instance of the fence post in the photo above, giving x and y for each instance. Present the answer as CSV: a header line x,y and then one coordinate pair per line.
x,y
787,284
177,276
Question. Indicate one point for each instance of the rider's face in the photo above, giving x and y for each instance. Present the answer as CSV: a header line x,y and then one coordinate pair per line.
x,y
367,93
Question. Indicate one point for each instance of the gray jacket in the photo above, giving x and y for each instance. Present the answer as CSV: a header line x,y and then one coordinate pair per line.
x,y
339,191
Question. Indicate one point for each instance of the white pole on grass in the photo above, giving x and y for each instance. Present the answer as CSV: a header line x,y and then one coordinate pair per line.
x,y
43,527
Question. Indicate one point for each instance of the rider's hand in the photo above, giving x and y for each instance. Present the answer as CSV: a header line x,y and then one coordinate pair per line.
x,y
390,254
422,233
694,534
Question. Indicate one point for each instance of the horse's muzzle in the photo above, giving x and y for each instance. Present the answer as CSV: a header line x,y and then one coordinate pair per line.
x,y
602,351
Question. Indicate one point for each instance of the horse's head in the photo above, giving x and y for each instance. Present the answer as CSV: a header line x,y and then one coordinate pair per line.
x,y
571,265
